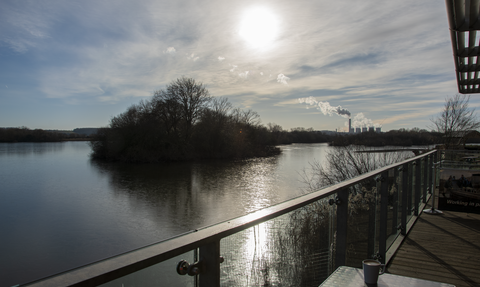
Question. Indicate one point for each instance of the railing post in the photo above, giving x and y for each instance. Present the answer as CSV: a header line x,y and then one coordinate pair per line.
x,y
425,178
342,221
210,256
432,162
372,221
418,174
383,216
437,160
395,201
410,186
405,191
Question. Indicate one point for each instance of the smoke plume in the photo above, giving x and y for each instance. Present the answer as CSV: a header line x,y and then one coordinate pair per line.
x,y
325,107
360,121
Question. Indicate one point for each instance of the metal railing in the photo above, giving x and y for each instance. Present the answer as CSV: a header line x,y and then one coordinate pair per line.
x,y
298,242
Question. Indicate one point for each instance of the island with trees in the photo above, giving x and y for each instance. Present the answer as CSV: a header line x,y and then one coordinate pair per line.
x,y
183,122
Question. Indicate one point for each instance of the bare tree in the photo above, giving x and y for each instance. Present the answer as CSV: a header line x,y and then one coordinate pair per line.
x,y
456,120
193,98
342,163
247,117
168,109
181,104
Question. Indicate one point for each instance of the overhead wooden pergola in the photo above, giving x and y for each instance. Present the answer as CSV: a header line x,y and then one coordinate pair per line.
x,y
464,22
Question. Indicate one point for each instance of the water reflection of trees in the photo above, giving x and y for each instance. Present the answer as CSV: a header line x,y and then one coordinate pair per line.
x,y
25,149
191,195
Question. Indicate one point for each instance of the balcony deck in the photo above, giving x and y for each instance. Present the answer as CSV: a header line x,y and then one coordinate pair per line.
x,y
444,248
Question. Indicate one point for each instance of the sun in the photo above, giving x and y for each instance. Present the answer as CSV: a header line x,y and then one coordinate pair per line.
x,y
259,27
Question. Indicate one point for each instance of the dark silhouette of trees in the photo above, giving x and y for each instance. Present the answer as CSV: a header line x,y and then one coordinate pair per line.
x,y
183,122
456,120
401,137
27,135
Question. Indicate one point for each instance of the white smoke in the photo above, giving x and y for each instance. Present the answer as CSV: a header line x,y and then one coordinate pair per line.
x,y
220,58
360,121
325,107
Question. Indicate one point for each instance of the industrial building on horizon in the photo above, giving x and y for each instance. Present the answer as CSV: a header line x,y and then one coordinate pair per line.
x,y
363,129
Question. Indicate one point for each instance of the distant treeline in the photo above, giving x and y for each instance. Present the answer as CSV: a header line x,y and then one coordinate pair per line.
x,y
296,135
402,137
25,134
28,135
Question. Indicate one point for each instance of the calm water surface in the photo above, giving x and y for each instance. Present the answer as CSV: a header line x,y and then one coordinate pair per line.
x,y
60,210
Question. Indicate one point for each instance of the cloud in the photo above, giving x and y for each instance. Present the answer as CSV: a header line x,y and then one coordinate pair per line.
x,y
243,75
192,57
170,50
402,117
221,58
281,78
23,27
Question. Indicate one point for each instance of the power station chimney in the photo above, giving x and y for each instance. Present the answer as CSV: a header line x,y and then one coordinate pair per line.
x,y
350,126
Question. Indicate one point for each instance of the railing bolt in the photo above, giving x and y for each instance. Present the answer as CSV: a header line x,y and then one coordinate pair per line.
x,y
182,267
193,270
336,201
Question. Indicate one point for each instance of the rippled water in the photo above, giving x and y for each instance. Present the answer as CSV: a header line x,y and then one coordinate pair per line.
x,y
60,210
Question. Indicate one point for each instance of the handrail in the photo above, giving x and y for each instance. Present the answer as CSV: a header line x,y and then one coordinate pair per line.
x,y
115,267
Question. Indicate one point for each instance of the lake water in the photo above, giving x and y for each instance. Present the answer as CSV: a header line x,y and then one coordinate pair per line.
x,y
60,210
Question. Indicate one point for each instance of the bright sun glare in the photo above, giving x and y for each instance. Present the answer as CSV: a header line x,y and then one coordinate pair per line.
x,y
259,27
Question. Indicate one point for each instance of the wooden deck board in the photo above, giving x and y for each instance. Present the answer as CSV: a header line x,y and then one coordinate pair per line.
x,y
444,248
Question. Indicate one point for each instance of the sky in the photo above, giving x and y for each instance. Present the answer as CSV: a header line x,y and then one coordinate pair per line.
x,y
312,64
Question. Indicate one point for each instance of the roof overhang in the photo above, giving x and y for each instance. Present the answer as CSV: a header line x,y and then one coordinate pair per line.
x,y
464,22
